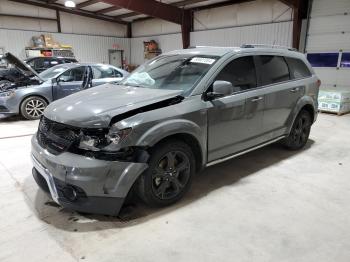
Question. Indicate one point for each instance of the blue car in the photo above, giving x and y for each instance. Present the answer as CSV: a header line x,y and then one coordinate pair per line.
x,y
33,92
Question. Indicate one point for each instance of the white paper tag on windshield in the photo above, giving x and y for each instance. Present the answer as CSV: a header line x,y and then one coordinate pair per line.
x,y
203,60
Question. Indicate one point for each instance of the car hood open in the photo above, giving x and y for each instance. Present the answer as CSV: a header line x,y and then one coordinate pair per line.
x,y
23,67
97,107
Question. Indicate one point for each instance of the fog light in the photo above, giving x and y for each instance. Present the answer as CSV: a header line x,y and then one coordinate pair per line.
x,y
70,193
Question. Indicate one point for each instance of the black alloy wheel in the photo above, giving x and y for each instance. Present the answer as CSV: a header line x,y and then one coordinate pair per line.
x,y
300,131
169,176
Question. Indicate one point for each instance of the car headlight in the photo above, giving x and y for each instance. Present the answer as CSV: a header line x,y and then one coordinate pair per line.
x,y
7,93
108,142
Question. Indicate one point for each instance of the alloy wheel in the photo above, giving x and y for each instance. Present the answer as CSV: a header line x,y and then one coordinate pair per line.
x,y
35,108
171,175
301,130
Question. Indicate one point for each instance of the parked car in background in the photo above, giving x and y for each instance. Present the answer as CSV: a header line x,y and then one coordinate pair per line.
x,y
173,116
40,64
13,74
30,96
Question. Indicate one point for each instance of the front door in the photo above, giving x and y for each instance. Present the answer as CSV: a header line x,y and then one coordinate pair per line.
x,y
235,121
69,82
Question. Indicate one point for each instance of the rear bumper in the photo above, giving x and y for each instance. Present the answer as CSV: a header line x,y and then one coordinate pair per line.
x,y
84,184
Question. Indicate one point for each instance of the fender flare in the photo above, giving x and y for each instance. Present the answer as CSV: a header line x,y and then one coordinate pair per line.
x,y
172,127
303,101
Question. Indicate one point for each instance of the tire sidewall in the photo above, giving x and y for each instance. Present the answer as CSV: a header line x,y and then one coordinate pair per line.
x,y
23,107
289,141
145,191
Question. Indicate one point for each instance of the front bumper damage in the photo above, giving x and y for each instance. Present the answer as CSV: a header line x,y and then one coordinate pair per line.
x,y
84,184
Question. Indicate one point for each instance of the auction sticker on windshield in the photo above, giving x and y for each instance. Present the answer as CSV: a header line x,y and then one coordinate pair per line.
x,y
203,60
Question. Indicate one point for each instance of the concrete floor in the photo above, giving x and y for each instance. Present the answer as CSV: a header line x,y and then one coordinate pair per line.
x,y
269,205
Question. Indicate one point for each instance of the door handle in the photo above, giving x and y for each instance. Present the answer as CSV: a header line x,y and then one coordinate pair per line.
x,y
294,90
255,99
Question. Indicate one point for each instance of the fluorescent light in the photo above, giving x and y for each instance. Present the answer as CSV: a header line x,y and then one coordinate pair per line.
x,y
69,3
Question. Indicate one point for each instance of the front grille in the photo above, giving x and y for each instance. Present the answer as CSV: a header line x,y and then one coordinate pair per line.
x,y
56,137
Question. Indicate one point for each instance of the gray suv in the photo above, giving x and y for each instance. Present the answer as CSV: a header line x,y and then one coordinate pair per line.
x,y
172,117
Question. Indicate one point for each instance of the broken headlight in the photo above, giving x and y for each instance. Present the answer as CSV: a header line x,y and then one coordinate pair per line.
x,y
104,142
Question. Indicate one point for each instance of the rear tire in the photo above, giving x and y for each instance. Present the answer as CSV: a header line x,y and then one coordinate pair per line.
x,y
33,107
300,131
169,175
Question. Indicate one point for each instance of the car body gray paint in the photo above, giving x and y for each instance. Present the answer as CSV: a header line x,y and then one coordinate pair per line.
x,y
192,116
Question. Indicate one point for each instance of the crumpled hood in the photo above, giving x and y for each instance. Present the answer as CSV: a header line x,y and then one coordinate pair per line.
x,y
95,107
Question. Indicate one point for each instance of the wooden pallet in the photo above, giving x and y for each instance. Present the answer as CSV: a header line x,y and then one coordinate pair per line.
x,y
334,113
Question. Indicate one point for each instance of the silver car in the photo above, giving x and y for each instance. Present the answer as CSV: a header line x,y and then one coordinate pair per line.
x,y
172,117
30,95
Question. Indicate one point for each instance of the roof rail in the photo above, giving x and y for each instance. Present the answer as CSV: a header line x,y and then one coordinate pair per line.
x,y
204,46
268,46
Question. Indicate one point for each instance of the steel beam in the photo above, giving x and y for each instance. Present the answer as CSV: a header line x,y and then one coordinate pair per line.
x,y
297,21
58,17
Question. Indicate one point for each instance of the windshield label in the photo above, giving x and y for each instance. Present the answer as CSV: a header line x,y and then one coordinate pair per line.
x,y
203,60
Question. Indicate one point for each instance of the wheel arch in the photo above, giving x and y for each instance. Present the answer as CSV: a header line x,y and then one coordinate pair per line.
x,y
304,103
192,142
180,129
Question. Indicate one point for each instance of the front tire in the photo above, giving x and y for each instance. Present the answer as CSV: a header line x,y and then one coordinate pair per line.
x,y
33,107
300,131
169,175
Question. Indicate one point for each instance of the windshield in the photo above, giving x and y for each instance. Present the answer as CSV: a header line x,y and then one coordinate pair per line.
x,y
178,72
53,72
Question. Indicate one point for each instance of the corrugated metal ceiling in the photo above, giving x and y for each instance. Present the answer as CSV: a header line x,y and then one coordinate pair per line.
x,y
115,13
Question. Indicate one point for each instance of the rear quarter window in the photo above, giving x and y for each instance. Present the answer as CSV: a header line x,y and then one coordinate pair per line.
x,y
297,68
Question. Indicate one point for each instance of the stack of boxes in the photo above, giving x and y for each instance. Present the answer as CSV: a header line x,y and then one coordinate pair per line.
x,y
335,101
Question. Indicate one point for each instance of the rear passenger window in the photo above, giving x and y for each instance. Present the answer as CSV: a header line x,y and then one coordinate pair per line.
x,y
274,69
240,72
297,68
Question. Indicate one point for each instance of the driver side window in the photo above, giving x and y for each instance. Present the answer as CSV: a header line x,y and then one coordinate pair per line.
x,y
71,75
240,73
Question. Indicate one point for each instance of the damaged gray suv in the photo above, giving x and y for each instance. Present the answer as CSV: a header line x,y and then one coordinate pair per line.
x,y
172,117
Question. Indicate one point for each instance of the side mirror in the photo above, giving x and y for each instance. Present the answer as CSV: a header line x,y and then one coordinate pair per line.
x,y
55,80
220,89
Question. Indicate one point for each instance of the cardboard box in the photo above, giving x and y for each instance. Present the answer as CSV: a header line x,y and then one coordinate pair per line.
x,y
49,42
336,101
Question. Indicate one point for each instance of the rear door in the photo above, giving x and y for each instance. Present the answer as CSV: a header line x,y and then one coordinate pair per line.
x,y
281,94
234,121
69,82
105,74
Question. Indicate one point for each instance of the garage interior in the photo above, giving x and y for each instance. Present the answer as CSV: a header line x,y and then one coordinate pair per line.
x,y
267,205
